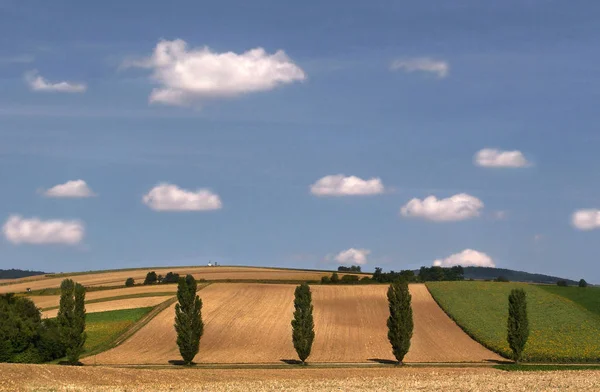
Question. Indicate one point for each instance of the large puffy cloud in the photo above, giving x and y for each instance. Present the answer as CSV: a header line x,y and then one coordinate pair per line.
x,y
455,208
491,157
422,64
340,185
352,256
194,75
466,258
19,230
168,197
70,189
37,83
587,219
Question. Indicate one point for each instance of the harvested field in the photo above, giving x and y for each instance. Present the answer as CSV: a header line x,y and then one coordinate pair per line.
x,y
48,301
350,326
244,323
17,377
131,303
209,273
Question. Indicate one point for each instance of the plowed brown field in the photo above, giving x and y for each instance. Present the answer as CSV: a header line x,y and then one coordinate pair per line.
x,y
250,323
48,301
209,273
130,303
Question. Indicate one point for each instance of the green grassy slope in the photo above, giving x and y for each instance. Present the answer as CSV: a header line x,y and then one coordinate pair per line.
x,y
561,331
588,297
104,327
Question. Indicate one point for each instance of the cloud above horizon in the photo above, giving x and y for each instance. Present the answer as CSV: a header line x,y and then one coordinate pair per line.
x,y
168,197
455,208
19,230
586,219
492,157
353,256
70,189
37,83
466,258
186,76
422,64
340,185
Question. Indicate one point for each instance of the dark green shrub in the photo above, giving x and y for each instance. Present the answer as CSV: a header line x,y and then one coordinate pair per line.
x,y
325,280
129,282
151,278
335,278
583,283
349,279
562,283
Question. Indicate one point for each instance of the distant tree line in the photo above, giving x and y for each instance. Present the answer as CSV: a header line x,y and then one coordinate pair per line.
x,y
153,278
346,279
354,268
426,274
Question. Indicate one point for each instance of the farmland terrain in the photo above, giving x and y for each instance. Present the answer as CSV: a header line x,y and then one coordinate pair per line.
x,y
560,330
250,323
16,377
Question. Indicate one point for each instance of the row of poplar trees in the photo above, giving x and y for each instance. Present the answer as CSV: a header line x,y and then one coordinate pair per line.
x,y
189,325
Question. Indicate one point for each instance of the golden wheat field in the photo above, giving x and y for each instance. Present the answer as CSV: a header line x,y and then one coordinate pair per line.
x,y
129,303
114,278
49,301
16,377
250,323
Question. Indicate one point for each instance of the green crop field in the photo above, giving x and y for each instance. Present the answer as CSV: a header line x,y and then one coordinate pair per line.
x,y
104,327
560,329
588,297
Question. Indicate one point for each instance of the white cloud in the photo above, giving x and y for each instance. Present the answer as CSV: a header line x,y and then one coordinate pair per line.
x,y
71,189
466,258
37,83
353,256
340,185
499,215
455,208
422,64
193,75
168,197
491,157
587,219
35,231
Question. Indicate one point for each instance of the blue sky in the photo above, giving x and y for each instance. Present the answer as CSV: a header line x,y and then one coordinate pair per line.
x,y
399,97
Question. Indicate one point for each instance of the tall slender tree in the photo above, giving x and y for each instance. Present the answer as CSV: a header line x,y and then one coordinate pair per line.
x,y
71,319
188,319
518,323
400,322
303,327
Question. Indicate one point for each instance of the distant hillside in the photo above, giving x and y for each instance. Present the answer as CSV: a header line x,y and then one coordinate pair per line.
x,y
483,273
17,273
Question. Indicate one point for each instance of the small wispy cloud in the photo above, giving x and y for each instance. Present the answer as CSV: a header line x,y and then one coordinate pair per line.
x,y
492,157
422,64
37,83
341,185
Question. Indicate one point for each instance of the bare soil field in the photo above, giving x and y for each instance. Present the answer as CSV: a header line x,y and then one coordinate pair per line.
x,y
17,377
209,273
250,323
48,301
436,338
130,303
243,323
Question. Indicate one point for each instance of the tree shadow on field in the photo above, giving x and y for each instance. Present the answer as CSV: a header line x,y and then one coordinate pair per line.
x,y
179,362
499,362
291,361
383,361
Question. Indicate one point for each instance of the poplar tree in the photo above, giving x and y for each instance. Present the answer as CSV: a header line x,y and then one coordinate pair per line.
x,y
303,327
518,323
400,322
188,319
71,319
